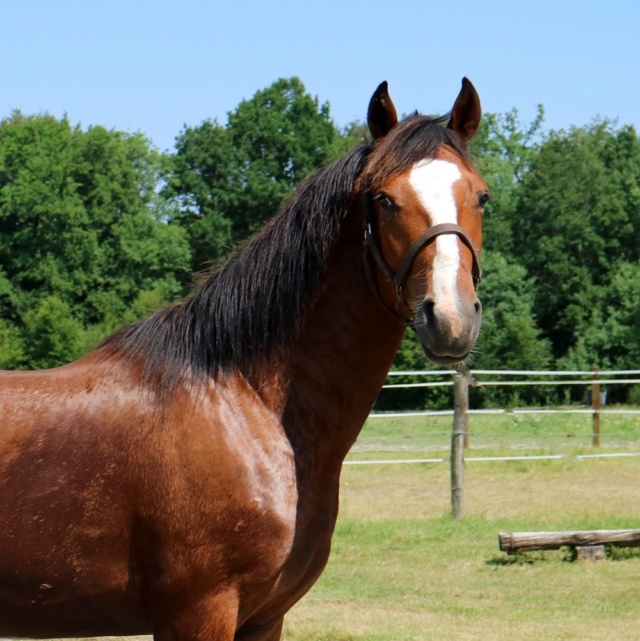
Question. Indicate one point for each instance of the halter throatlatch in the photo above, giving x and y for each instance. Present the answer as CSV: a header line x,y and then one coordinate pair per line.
x,y
398,278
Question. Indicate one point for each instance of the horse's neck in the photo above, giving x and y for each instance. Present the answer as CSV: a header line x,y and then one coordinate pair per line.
x,y
340,360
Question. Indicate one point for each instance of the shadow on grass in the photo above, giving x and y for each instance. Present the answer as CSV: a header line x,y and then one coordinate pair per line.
x,y
566,554
516,559
615,553
294,634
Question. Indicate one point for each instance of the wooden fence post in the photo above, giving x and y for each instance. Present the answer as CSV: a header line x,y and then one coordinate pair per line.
x,y
459,430
595,403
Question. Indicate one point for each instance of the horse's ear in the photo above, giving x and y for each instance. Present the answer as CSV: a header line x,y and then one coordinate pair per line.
x,y
382,115
466,112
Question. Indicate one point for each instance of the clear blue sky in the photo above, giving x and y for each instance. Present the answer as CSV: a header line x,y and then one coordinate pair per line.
x,y
152,66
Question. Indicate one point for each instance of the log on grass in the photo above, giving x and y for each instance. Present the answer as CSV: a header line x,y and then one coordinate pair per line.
x,y
514,542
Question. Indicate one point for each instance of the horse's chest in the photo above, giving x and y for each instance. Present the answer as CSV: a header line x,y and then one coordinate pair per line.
x,y
306,557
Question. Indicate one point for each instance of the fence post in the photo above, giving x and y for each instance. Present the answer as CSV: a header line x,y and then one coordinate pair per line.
x,y
595,403
459,430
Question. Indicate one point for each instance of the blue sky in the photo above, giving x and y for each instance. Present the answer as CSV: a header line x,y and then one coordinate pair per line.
x,y
138,65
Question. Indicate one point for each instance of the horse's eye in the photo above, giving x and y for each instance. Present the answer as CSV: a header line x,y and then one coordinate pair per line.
x,y
483,199
385,202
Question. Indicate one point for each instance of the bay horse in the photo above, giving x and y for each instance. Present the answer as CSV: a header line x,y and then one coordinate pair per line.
x,y
182,479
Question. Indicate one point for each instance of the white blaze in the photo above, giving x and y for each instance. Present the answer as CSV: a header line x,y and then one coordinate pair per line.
x,y
433,182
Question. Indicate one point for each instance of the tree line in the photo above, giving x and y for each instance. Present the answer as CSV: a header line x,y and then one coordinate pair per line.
x,y
97,228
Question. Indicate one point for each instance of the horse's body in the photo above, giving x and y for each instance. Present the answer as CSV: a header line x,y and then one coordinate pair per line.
x,y
182,480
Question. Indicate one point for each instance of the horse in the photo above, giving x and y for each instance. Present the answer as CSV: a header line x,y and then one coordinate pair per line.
x,y
182,479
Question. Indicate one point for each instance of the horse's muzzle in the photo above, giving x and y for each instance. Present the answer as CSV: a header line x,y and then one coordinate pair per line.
x,y
447,337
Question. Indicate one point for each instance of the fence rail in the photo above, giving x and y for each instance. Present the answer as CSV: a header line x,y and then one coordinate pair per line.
x,y
494,459
461,412
517,372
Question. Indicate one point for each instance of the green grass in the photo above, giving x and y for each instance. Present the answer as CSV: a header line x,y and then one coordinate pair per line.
x,y
402,569
562,433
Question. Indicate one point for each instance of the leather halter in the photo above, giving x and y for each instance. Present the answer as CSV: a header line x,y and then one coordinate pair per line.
x,y
398,278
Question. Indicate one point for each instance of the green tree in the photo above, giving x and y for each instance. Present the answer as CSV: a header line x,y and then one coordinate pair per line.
x,y
201,179
611,338
510,337
354,134
503,150
578,219
80,221
52,334
228,180
12,354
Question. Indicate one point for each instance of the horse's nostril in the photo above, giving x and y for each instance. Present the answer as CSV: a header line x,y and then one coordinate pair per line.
x,y
477,306
428,309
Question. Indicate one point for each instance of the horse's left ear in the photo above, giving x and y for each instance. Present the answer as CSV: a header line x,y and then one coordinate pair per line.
x,y
382,115
466,112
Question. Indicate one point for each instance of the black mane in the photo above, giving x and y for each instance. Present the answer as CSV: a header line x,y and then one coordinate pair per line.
x,y
254,303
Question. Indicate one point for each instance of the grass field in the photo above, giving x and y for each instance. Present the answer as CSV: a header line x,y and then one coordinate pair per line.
x,y
553,433
402,569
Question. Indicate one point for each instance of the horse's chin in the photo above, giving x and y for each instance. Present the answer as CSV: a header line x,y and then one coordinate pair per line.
x,y
444,359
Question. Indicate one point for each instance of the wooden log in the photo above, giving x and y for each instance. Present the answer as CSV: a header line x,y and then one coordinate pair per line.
x,y
513,542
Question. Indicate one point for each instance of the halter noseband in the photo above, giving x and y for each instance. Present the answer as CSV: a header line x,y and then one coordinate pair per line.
x,y
397,279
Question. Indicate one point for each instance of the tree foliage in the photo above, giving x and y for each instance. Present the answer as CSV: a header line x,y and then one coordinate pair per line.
x,y
510,337
578,220
228,180
503,150
81,236
97,228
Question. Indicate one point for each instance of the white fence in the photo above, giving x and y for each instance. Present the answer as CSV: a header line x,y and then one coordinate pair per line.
x,y
460,412
594,380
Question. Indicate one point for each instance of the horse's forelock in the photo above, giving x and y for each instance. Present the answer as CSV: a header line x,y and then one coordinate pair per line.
x,y
413,139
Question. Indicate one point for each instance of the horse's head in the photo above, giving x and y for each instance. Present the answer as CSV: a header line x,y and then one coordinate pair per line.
x,y
424,204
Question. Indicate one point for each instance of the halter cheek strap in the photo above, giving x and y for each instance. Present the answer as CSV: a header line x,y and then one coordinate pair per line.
x,y
398,278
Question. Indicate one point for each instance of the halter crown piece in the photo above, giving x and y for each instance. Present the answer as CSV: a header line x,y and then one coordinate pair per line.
x,y
397,278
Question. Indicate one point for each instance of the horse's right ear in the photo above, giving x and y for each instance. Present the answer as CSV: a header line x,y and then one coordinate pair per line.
x,y
466,112
382,115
